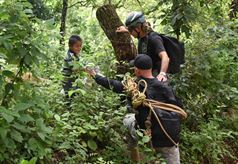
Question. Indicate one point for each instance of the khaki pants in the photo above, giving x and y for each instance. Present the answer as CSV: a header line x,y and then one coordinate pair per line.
x,y
170,154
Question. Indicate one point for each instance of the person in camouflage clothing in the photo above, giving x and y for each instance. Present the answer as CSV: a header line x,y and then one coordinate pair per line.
x,y
69,70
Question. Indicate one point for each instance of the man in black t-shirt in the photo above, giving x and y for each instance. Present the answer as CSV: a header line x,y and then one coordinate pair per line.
x,y
149,43
158,91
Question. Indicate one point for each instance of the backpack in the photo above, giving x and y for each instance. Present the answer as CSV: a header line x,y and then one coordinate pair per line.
x,y
171,121
175,50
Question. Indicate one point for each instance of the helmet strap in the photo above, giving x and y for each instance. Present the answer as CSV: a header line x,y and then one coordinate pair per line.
x,y
138,33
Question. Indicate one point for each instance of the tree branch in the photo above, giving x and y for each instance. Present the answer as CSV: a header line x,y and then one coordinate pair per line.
x,y
140,4
7,94
79,2
152,9
119,4
63,21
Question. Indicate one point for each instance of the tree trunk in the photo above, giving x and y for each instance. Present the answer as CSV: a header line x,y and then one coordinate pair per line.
x,y
234,9
63,21
121,42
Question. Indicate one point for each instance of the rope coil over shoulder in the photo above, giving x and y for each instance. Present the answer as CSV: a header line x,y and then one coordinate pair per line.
x,y
139,98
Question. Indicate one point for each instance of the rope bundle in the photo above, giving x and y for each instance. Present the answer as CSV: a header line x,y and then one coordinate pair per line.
x,y
132,89
139,98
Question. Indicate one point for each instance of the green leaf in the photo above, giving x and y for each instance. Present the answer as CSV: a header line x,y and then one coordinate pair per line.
x,y
3,133
90,126
65,145
145,139
28,59
35,145
139,133
41,135
57,117
4,16
9,142
22,106
7,114
77,65
7,117
16,136
173,21
50,22
9,87
83,92
42,127
28,11
92,144
3,56
21,128
179,16
70,93
8,73
25,118
24,161
7,45
33,160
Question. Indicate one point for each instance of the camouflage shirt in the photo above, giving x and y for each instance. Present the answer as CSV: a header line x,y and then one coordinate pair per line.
x,y
68,70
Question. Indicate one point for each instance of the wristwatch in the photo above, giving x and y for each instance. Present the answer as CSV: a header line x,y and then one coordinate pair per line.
x,y
163,73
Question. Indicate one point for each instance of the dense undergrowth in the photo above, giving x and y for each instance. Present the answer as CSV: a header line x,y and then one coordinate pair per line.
x,y
35,124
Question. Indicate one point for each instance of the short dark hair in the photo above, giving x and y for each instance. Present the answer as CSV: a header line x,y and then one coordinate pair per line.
x,y
74,39
142,61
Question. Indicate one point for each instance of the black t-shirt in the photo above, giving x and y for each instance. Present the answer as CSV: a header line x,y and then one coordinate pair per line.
x,y
152,45
156,91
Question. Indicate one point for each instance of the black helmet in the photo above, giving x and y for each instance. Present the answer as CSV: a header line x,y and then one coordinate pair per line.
x,y
134,18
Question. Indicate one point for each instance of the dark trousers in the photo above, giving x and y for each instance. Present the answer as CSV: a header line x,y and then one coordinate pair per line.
x,y
68,86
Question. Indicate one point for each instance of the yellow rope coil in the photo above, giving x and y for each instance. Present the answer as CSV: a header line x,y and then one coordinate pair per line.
x,y
139,98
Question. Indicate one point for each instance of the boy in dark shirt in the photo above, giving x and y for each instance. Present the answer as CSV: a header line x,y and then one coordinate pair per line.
x,y
158,91
69,70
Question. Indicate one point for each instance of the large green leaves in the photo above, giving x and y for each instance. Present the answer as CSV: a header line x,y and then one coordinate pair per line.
x,y
92,144
7,114
42,129
16,136
32,161
23,106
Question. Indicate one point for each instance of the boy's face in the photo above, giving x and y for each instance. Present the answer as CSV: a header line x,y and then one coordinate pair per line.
x,y
76,47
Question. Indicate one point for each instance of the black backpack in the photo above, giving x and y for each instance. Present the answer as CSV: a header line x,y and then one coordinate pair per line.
x,y
171,121
175,50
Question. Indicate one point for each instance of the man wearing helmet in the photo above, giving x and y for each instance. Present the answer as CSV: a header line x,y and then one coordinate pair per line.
x,y
148,43
151,44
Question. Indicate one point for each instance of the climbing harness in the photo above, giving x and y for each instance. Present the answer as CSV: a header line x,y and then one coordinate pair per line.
x,y
139,98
